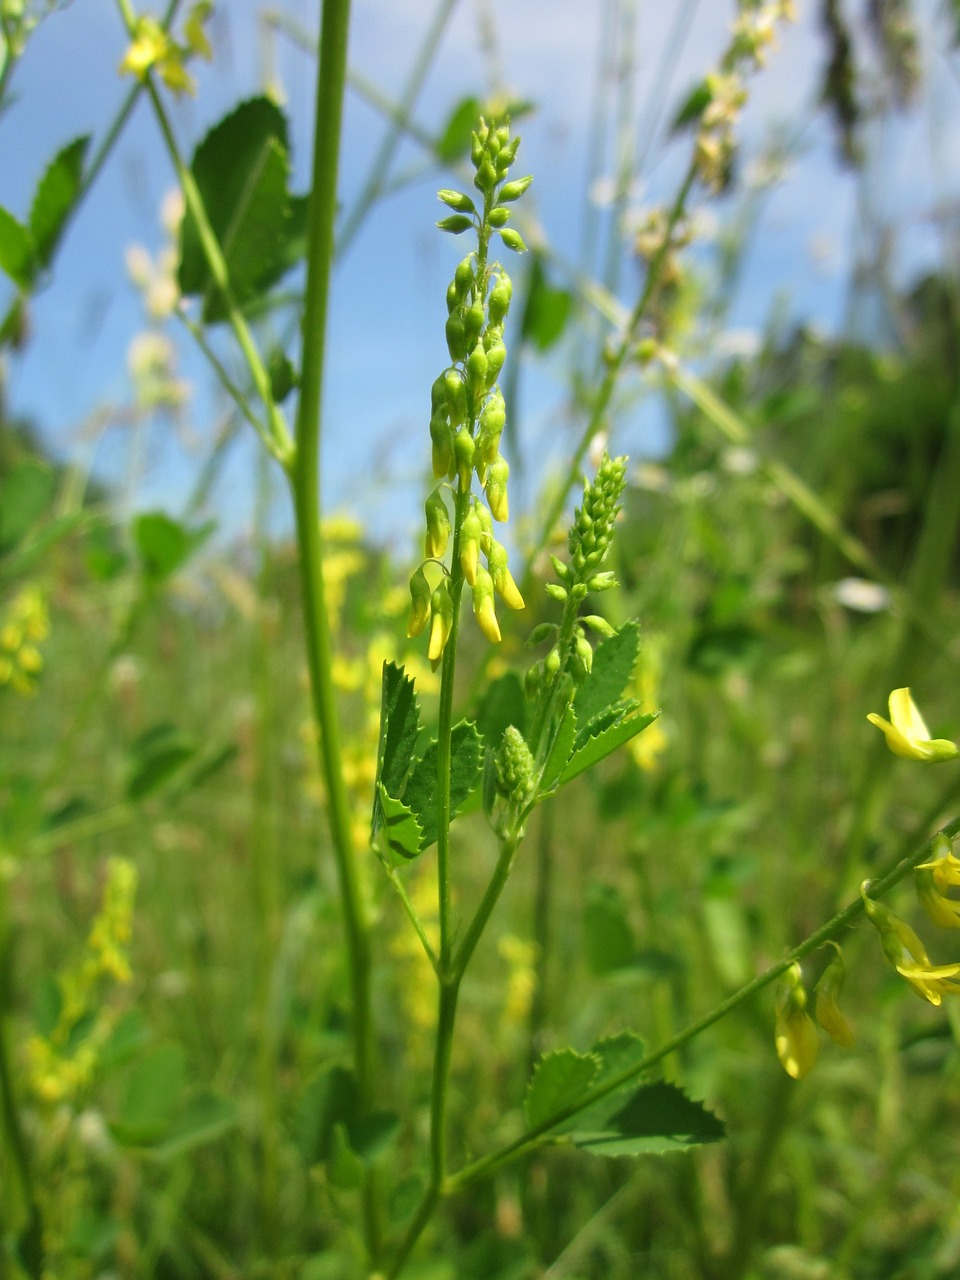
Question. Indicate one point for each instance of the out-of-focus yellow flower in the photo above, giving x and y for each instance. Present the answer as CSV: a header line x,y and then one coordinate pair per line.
x,y
796,1036
933,879
647,747
25,625
520,956
907,954
907,734
827,1007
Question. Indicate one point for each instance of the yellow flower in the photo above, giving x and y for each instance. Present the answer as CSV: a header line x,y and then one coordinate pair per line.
x,y
796,1036
907,954
827,1008
908,736
933,879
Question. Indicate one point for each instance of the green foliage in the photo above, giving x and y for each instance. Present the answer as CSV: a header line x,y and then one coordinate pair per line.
x,y
241,169
27,250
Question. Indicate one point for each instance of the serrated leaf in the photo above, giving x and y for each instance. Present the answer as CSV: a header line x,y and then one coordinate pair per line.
x,y
603,744
616,1054
241,168
17,257
399,826
559,1080
55,197
560,749
613,663
466,759
659,1117
609,716
399,731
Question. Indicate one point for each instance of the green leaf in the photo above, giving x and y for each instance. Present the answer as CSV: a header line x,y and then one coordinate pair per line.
x,y
400,827
158,755
454,139
204,1117
399,728
503,704
608,937
151,1095
609,716
165,545
599,747
659,1117
17,255
693,107
241,168
560,749
331,1103
560,1079
55,198
546,309
466,759
613,663
25,494
617,1054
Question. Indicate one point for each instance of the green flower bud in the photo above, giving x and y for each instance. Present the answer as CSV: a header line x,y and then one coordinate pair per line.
x,y
496,355
556,592
551,663
498,217
438,393
473,319
562,571
477,370
484,607
600,625
441,437
486,525
584,654
419,603
456,397
499,302
471,531
515,766
541,632
463,277
512,239
492,419
456,224
438,526
602,582
496,488
456,344
453,298
464,451
511,191
508,153
457,200
486,178
476,146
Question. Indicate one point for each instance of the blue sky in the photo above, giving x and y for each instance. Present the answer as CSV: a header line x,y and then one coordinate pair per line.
x,y
386,343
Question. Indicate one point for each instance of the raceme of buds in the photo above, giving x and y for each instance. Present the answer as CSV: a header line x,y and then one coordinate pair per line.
x,y
515,766
591,534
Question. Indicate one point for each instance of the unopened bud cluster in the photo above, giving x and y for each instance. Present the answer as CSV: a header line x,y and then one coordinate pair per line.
x,y
467,411
515,767
589,542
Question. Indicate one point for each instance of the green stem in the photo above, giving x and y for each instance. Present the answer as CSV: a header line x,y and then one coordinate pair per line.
x,y
836,924
305,483
278,441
